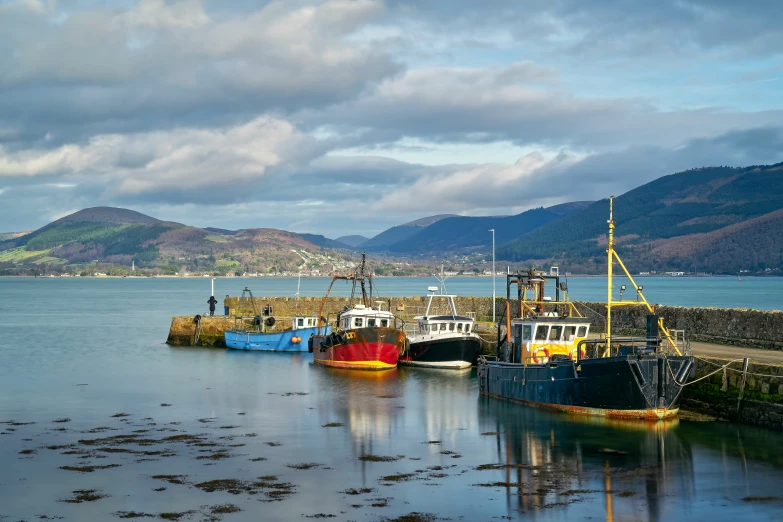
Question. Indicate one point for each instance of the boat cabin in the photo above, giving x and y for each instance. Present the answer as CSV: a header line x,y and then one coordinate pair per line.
x,y
298,323
361,316
442,324
537,339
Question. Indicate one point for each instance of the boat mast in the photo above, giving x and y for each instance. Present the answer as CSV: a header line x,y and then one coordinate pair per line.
x,y
610,260
612,257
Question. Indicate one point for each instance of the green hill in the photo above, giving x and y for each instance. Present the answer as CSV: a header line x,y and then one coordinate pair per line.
x,y
683,205
467,232
112,240
393,235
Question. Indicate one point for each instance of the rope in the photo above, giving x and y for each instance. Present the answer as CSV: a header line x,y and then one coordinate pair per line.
x,y
700,378
601,316
736,370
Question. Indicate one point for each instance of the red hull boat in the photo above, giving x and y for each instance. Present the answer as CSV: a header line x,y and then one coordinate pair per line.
x,y
373,348
363,337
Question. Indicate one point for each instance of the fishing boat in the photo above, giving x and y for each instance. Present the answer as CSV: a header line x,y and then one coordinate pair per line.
x,y
257,332
545,357
364,337
446,341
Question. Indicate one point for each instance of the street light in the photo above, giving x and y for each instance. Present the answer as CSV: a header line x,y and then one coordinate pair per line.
x,y
493,274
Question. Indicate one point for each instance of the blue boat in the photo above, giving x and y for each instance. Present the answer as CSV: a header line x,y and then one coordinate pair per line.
x,y
293,340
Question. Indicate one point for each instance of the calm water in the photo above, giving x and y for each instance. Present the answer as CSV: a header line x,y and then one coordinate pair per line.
x,y
90,349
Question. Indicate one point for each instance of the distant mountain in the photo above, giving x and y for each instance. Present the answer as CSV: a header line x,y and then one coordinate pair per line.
x,y
352,241
13,235
325,242
221,231
684,221
465,232
117,237
396,234
753,245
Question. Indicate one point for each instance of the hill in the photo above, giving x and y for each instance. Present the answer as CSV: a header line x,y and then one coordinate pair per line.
x,y
325,242
687,206
13,235
398,233
461,233
352,241
111,240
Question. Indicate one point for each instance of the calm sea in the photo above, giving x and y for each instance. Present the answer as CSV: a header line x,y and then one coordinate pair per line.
x,y
194,434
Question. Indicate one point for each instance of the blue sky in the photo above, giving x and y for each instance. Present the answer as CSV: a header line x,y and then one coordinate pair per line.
x,y
347,117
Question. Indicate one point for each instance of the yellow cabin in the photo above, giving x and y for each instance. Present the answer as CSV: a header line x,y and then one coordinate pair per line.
x,y
537,339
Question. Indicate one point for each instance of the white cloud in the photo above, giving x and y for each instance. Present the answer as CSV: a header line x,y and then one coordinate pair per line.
x,y
177,159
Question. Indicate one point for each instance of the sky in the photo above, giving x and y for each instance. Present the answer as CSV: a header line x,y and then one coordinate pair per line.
x,y
344,117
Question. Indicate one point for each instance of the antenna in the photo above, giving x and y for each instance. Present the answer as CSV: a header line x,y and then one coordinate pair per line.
x,y
441,279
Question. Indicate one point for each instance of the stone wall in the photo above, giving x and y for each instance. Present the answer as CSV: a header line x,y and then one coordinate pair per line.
x,y
718,395
731,326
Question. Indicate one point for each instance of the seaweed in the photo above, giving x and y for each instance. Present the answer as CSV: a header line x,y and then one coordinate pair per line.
x,y
378,458
304,465
333,425
84,495
398,477
360,491
64,419
224,509
119,415
88,468
171,479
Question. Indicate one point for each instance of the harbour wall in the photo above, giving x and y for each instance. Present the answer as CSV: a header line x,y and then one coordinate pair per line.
x,y
728,326
719,394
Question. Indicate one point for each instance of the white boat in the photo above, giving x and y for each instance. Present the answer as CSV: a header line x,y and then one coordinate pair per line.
x,y
446,341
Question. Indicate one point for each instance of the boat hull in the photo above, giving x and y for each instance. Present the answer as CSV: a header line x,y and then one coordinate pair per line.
x,y
371,349
628,387
270,342
454,353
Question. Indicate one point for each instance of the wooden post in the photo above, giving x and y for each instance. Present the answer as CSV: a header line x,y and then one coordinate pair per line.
x,y
745,363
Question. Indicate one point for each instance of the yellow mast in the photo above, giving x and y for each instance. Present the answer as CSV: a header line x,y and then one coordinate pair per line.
x,y
612,255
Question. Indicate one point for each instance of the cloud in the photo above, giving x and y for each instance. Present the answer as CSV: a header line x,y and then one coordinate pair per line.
x,y
300,114
101,70
521,103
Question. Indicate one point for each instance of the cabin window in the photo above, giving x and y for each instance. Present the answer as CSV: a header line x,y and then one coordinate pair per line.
x,y
370,322
346,323
541,333
385,323
300,322
442,327
527,332
582,331
357,322
554,333
459,327
570,333
467,327
451,327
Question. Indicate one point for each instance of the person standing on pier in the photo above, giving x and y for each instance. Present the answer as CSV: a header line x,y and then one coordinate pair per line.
x,y
225,305
212,302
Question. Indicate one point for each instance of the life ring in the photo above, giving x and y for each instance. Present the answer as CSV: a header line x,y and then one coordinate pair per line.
x,y
544,359
572,354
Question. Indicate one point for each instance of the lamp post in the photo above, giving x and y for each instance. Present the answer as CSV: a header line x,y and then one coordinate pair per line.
x,y
493,274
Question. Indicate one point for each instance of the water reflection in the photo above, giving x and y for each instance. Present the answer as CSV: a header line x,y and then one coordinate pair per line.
x,y
551,459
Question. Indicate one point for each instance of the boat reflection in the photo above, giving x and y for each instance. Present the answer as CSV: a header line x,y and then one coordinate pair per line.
x,y
552,459
369,403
